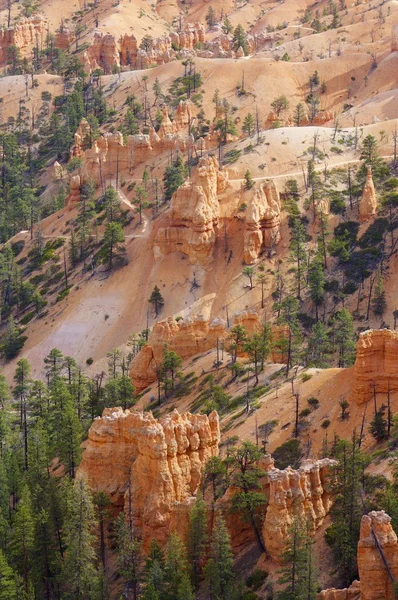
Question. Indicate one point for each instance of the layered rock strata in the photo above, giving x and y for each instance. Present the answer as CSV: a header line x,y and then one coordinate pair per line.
x,y
368,202
151,468
194,214
262,222
376,366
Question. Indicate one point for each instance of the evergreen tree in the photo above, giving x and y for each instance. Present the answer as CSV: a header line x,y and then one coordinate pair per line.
x,y
13,340
175,567
8,588
154,574
174,176
197,538
219,572
317,281
299,114
210,17
343,325
113,248
227,26
249,501
298,251
23,537
379,303
248,124
129,557
280,104
378,426
69,437
240,40
79,573
319,346
156,299
248,180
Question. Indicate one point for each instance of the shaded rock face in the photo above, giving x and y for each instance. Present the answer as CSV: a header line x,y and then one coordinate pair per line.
x,y
74,192
290,494
187,337
373,575
151,468
27,32
368,202
376,364
262,222
194,215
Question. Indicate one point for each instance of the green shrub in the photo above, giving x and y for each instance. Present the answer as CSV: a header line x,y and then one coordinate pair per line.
x,y
62,295
256,579
288,453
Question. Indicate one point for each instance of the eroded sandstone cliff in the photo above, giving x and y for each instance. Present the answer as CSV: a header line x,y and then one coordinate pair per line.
x,y
26,33
149,466
194,214
376,366
262,221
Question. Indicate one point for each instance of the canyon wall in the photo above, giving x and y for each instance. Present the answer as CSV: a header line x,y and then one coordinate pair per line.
x,y
376,364
149,466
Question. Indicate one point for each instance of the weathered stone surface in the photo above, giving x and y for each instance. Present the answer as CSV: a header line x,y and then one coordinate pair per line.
x,y
303,493
187,337
63,38
368,202
194,214
27,32
262,221
351,593
149,467
375,581
376,364
110,149
74,192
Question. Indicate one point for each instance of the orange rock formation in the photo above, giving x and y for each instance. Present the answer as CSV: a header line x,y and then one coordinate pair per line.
x,y
368,202
27,32
375,578
194,214
150,467
262,222
290,494
187,337
375,364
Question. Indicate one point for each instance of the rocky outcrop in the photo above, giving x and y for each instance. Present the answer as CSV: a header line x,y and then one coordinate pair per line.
x,y
262,222
187,337
368,202
374,578
27,32
151,468
394,38
377,562
111,150
351,593
63,38
304,493
376,364
194,214
74,192
290,494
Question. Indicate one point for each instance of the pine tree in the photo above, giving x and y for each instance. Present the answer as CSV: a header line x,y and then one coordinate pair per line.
x,y
299,114
378,426
79,573
317,281
319,346
23,536
129,556
298,252
240,40
248,124
174,176
112,204
249,501
154,574
343,325
280,104
379,303
175,567
8,588
219,572
248,180
210,17
197,538
227,26
13,340
156,299
69,437
113,247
